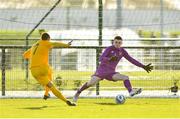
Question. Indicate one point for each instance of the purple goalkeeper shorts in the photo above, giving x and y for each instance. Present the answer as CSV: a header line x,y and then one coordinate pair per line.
x,y
107,76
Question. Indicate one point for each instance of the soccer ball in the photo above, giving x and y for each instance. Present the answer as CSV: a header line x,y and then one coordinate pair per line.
x,y
120,99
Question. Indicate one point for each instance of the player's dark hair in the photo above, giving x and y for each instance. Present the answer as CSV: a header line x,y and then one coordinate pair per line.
x,y
45,36
118,38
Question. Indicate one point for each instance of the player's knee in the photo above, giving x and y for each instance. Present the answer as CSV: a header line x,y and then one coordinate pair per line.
x,y
49,85
126,77
90,83
94,80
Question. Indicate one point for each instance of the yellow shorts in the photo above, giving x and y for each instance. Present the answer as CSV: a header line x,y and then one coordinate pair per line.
x,y
43,74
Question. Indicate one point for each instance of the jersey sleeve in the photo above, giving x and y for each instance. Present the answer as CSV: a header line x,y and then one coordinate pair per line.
x,y
27,54
59,44
131,59
104,57
49,45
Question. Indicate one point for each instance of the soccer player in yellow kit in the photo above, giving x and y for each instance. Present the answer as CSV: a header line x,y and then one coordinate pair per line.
x,y
38,56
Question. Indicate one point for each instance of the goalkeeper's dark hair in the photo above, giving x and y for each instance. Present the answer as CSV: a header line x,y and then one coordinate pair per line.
x,y
118,38
45,36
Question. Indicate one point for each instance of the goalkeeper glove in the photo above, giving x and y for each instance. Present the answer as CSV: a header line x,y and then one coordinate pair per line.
x,y
70,42
148,67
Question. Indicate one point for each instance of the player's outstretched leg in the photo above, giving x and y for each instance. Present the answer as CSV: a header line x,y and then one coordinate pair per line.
x,y
93,81
131,91
83,87
127,84
46,94
58,94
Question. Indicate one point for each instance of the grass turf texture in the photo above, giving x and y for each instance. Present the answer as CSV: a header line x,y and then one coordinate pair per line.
x,y
90,108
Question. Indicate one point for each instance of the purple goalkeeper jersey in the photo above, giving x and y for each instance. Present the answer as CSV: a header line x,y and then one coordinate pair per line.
x,y
108,67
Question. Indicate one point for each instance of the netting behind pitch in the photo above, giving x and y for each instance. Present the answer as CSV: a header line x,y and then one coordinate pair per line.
x,y
73,67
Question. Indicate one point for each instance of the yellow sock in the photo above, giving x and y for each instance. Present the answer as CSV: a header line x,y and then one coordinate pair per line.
x,y
46,91
57,93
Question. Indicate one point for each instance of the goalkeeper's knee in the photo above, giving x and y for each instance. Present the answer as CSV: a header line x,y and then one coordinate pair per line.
x,y
94,80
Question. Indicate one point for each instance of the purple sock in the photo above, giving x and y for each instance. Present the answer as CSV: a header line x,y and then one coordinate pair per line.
x,y
83,88
127,84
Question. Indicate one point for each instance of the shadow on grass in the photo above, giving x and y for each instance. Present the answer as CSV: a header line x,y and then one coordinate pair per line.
x,y
35,108
106,103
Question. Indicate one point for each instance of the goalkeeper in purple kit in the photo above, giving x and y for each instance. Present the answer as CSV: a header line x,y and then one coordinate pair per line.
x,y
106,70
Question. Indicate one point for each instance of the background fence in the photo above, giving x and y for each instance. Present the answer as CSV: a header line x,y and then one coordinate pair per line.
x,y
74,66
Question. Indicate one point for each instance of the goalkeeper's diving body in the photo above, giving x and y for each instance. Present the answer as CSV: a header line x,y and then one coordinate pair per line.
x,y
38,56
106,70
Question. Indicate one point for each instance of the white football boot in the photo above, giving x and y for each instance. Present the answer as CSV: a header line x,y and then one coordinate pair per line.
x,y
135,91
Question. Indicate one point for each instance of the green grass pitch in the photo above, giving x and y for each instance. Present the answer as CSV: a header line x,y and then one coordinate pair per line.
x,y
90,108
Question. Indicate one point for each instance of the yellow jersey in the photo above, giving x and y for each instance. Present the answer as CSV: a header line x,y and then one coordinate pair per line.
x,y
38,54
